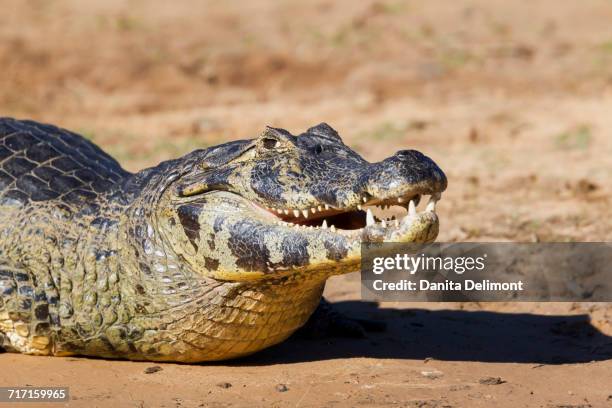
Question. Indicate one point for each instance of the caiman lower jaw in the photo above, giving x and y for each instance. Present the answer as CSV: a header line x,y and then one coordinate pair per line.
x,y
249,243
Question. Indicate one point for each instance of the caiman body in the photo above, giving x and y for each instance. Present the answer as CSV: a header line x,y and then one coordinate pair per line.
x,y
215,255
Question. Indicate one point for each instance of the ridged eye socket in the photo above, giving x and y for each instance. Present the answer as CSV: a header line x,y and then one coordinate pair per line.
x,y
270,143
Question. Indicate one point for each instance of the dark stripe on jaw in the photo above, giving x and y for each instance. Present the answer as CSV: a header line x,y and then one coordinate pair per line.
x,y
335,248
211,264
295,251
188,216
246,241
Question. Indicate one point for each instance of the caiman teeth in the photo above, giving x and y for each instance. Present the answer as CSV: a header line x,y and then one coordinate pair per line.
x,y
370,218
411,208
352,221
431,205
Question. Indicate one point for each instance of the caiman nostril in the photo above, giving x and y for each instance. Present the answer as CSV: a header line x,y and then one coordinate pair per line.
x,y
409,154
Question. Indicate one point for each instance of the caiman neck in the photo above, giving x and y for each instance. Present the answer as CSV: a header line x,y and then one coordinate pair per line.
x,y
183,315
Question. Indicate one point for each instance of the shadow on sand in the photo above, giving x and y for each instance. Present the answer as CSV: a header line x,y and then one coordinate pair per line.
x,y
453,335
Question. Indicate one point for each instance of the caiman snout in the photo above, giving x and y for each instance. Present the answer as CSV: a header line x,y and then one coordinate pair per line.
x,y
407,173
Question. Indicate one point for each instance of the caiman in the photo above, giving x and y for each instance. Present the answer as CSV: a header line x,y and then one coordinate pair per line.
x,y
215,255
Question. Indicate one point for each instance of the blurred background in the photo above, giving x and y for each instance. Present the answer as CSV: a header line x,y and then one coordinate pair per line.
x,y
512,99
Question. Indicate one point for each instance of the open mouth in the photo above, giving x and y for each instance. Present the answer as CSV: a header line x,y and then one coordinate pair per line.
x,y
386,213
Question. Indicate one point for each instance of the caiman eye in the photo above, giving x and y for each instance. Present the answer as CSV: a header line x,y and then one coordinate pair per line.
x,y
270,143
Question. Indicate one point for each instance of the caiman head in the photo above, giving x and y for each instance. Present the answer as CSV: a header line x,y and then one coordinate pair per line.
x,y
283,204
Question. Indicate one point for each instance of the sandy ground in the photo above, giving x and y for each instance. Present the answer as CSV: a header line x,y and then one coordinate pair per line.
x,y
511,99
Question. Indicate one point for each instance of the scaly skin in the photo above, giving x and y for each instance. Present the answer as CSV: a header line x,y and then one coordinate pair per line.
x,y
200,258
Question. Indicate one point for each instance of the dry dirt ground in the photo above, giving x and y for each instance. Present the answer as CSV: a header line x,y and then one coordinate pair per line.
x,y
512,99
